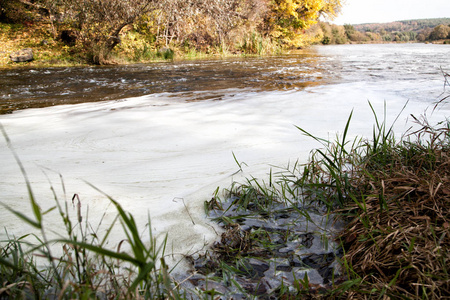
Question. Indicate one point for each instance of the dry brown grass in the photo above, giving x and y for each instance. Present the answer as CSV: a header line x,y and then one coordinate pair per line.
x,y
399,244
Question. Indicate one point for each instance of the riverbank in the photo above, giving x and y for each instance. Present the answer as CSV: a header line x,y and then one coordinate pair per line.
x,y
134,48
47,51
393,196
178,146
53,52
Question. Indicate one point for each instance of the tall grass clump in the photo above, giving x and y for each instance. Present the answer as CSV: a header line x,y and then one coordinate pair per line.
x,y
397,239
394,195
86,267
255,43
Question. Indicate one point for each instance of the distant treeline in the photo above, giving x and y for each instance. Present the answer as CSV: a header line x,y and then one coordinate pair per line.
x,y
426,30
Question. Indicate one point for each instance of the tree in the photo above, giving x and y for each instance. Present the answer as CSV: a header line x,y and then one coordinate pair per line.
x,y
98,23
349,30
288,19
202,23
440,32
214,18
95,27
339,34
424,34
327,36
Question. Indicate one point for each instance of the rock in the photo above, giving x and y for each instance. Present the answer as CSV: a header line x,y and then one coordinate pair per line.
x,y
307,240
213,288
321,262
283,265
297,261
272,250
255,288
318,261
314,276
255,268
22,55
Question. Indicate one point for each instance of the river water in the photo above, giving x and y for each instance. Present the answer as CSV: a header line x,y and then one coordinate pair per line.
x,y
160,138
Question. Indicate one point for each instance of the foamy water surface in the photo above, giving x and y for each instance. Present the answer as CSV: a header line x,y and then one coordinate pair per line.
x,y
164,153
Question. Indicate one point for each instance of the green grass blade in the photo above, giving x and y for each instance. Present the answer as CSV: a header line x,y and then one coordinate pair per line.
x,y
35,207
130,228
102,251
238,163
9,264
320,140
20,215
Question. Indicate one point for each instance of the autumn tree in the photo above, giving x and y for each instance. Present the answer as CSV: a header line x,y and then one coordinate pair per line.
x,y
95,24
95,27
289,19
440,32
339,35
31,11
98,23
202,23
334,34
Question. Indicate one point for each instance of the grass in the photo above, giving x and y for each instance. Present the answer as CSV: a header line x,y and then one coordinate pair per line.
x,y
254,43
87,268
395,198
397,240
393,194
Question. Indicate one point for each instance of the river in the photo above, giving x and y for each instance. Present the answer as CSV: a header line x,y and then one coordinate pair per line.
x,y
160,138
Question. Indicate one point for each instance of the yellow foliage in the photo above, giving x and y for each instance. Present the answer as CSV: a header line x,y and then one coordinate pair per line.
x,y
289,19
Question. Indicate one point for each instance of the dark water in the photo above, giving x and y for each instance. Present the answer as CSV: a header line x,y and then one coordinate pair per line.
x,y
212,79
27,88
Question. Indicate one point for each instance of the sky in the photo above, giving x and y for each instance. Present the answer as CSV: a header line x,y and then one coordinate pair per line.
x,y
381,11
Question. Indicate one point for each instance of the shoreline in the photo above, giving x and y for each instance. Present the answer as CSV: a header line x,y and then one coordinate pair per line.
x,y
53,53
177,58
385,183
367,188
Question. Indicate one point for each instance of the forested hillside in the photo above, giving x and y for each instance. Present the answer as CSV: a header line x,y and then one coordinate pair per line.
x,y
426,30
403,26
140,29
420,30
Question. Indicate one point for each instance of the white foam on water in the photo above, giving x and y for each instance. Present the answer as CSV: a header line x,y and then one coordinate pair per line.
x,y
164,156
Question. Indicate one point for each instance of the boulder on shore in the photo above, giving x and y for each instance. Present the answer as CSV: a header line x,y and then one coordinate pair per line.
x,y
22,55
